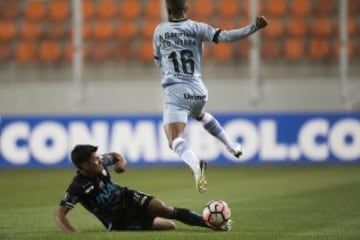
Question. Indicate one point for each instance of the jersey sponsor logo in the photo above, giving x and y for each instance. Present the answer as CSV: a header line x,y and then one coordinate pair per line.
x,y
194,97
105,194
266,138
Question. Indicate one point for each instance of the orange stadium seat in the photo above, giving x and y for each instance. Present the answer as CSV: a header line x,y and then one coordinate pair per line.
x,y
147,28
352,26
275,8
103,30
49,51
107,9
153,10
25,52
10,9
31,31
5,52
36,10
294,48
59,10
8,30
322,26
222,52
56,31
228,9
297,27
300,7
325,7
122,52
271,49
242,49
202,10
243,8
88,9
87,30
145,51
225,24
354,7
126,30
319,48
130,9
98,51
275,29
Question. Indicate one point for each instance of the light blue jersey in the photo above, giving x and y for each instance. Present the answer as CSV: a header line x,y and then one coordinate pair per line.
x,y
177,48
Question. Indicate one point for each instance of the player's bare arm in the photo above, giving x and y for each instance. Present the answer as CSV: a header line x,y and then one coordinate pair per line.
x,y
120,164
62,221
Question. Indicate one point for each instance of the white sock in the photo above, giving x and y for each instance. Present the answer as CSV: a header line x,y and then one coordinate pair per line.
x,y
214,128
182,149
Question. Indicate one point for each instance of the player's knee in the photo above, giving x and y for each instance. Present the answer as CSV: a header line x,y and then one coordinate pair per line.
x,y
200,116
163,224
172,225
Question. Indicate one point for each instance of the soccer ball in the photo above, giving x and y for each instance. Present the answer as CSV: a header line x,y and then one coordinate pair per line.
x,y
216,213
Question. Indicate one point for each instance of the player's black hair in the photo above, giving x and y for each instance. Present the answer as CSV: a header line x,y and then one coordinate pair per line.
x,y
176,5
81,154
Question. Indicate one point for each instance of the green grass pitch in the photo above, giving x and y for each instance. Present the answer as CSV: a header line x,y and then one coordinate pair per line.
x,y
278,202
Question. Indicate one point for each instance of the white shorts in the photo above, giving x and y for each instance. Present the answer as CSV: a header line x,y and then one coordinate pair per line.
x,y
182,100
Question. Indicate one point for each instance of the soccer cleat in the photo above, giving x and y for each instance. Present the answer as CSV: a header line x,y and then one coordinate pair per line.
x,y
237,151
226,226
201,181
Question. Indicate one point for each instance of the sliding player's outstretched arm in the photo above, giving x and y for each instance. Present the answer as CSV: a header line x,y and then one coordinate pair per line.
x,y
62,221
237,34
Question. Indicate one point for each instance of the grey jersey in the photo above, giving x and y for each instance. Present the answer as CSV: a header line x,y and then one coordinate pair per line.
x,y
178,48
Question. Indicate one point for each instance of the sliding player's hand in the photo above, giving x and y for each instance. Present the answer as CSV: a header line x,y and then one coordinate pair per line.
x,y
261,22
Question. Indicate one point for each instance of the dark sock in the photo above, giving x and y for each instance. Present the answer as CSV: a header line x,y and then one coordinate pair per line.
x,y
189,217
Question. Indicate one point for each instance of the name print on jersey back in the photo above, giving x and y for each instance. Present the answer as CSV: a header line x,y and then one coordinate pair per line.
x,y
171,39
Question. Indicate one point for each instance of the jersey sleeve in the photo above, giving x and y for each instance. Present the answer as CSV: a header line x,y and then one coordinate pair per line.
x,y
236,34
71,196
156,47
208,33
107,159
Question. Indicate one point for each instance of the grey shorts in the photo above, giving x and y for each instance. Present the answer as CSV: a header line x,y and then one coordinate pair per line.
x,y
182,100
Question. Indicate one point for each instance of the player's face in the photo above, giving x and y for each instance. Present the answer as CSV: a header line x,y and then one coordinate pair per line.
x,y
93,166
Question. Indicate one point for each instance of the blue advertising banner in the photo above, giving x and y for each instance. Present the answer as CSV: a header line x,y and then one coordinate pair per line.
x,y
274,138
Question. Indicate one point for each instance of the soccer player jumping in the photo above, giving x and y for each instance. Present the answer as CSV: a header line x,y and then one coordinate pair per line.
x,y
177,45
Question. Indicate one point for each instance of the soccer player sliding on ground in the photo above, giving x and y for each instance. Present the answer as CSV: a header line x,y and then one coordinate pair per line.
x,y
117,207
177,45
